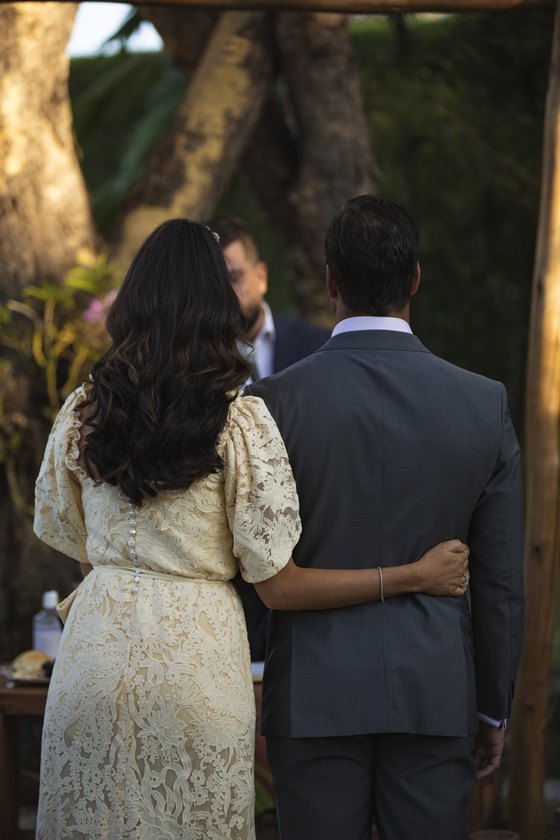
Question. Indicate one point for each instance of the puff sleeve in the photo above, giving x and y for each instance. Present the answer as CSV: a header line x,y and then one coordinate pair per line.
x,y
261,497
59,516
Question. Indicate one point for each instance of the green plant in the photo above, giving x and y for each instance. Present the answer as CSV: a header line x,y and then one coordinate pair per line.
x,y
50,333
49,340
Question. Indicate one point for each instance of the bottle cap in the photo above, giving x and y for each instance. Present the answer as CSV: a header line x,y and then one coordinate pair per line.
x,y
50,599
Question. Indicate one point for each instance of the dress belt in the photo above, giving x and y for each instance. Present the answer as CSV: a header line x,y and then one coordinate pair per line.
x,y
64,607
138,570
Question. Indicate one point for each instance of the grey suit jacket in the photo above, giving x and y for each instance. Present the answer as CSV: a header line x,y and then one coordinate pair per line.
x,y
393,450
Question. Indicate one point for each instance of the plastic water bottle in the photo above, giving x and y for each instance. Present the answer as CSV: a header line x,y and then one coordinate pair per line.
x,y
47,627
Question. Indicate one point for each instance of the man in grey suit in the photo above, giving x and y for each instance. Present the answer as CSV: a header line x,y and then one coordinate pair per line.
x,y
370,711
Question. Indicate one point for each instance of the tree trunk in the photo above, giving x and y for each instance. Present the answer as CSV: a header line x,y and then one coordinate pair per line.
x,y
308,153
542,441
45,221
334,154
190,169
184,32
310,150
44,207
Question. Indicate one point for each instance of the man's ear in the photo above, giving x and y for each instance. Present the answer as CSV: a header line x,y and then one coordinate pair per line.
x,y
415,280
332,290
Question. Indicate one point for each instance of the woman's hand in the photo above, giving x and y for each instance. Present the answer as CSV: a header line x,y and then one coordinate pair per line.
x,y
444,569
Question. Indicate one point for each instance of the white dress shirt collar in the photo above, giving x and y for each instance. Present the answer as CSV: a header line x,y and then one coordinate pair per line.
x,y
263,344
371,322
268,330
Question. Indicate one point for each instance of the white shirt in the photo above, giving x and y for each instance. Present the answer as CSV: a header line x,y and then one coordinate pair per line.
x,y
260,352
263,345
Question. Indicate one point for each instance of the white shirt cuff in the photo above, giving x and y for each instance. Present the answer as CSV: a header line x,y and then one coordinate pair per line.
x,y
499,724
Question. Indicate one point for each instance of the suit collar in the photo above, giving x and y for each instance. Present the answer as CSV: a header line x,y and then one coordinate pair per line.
x,y
375,340
268,329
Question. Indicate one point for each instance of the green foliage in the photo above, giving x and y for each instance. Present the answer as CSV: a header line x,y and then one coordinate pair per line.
x,y
51,334
455,108
122,104
49,340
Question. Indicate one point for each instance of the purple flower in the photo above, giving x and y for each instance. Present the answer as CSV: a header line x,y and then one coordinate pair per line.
x,y
99,307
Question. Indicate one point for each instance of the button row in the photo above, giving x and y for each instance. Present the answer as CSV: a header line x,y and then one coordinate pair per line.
x,y
131,543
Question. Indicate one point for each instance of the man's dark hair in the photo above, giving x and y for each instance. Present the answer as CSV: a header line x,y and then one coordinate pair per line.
x,y
372,248
231,229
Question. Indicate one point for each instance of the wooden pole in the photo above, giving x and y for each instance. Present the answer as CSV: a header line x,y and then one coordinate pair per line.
x,y
542,445
344,6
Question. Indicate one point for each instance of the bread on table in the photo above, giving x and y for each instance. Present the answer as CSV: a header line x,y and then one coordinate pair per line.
x,y
30,665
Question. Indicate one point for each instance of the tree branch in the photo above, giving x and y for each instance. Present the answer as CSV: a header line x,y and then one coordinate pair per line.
x,y
184,32
335,158
193,164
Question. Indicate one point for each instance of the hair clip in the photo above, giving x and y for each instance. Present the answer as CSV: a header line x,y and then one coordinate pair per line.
x,y
213,232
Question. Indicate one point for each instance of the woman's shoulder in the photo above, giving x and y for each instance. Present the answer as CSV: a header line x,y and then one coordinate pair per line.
x,y
248,412
74,399
249,424
66,431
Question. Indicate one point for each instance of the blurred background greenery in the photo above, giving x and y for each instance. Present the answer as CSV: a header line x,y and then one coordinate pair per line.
x,y
455,110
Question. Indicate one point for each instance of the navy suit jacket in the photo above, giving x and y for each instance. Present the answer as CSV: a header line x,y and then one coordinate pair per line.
x,y
295,340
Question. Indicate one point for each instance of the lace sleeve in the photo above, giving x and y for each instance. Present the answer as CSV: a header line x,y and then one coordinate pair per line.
x,y
261,497
59,516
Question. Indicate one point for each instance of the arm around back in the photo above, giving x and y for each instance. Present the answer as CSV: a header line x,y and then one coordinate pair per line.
x,y
440,571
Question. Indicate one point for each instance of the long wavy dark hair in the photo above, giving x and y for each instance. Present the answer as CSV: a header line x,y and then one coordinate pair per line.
x,y
161,393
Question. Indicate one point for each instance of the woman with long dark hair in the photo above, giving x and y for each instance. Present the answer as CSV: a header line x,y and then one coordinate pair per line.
x,y
163,482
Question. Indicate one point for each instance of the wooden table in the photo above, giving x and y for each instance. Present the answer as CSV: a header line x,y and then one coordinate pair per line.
x,y
15,703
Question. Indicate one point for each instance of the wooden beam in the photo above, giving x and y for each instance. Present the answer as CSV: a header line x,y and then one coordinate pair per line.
x,y
542,445
344,6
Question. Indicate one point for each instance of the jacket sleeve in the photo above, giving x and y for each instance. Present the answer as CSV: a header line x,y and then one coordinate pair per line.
x,y
496,540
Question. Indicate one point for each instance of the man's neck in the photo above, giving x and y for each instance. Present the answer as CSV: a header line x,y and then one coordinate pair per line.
x,y
342,313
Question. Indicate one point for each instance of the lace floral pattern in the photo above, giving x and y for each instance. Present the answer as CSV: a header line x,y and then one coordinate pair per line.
x,y
149,726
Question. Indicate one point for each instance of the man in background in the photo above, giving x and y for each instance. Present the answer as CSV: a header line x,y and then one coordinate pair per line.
x,y
277,341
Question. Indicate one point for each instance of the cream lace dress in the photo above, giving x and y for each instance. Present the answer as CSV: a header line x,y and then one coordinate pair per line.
x,y
149,726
